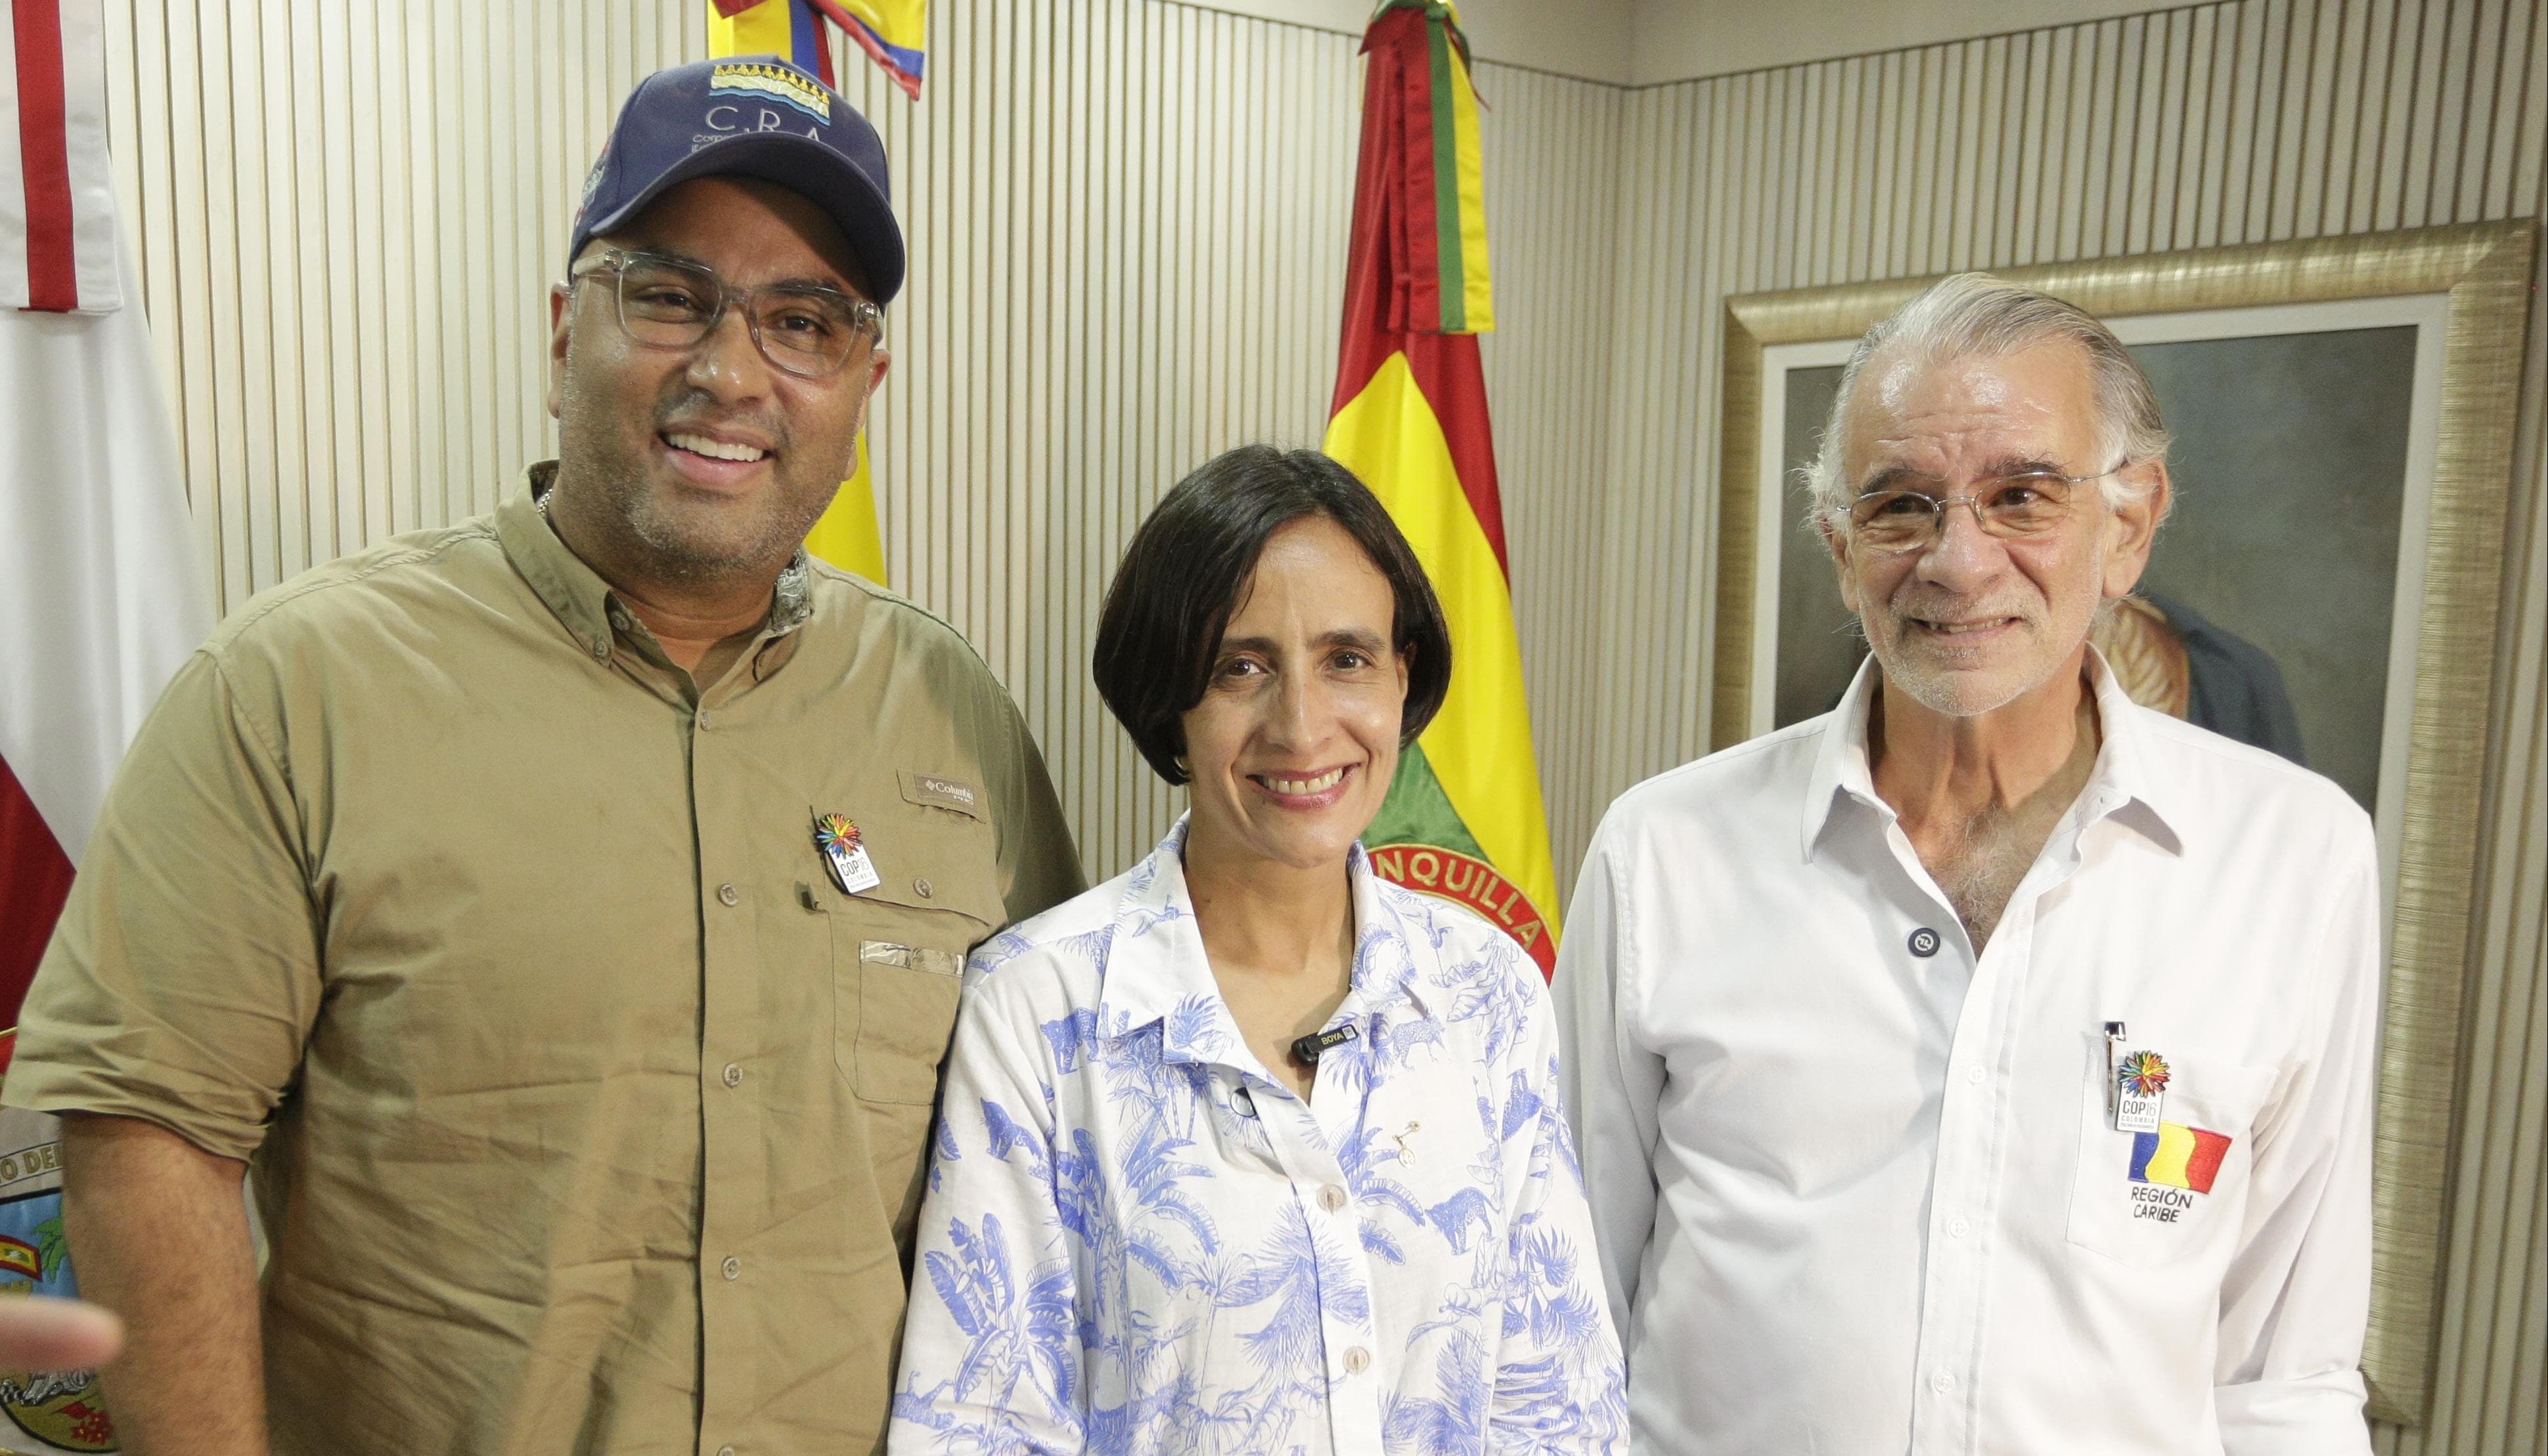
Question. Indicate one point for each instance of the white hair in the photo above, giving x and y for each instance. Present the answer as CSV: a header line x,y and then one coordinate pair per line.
x,y
1975,316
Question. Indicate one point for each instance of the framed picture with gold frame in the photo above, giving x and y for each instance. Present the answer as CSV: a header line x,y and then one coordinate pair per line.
x,y
2343,414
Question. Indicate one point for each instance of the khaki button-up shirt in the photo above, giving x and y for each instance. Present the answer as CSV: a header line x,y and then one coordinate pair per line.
x,y
586,1110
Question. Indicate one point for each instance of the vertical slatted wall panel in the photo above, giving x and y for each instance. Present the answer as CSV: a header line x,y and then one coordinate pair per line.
x,y
2217,123
1552,154
345,216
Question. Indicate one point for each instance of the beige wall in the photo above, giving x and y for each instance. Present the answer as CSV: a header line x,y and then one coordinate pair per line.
x,y
1646,43
1587,39
1682,40
1127,218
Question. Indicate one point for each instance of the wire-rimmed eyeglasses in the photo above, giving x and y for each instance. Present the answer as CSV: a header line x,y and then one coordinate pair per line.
x,y
805,328
2026,502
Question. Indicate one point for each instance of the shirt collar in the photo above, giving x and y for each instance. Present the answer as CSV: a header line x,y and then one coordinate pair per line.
x,y
2121,783
1156,971
1384,965
585,602
2126,784
1840,761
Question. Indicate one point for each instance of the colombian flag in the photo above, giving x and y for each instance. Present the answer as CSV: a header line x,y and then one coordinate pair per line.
x,y
2178,1157
846,537
892,33
1464,818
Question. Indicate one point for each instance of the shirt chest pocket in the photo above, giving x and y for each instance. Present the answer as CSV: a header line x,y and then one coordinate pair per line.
x,y
2174,1196
898,966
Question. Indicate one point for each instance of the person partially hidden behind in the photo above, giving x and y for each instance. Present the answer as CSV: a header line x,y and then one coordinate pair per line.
x,y
1984,1067
559,914
2169,657
1248,1149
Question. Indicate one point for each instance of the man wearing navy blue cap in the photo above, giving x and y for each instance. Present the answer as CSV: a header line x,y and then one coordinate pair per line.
x,y
559,916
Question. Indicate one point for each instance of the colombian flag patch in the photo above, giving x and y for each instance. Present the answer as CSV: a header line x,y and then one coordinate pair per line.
x,y
2178,1157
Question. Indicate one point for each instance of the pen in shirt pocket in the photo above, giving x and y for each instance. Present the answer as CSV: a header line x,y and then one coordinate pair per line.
x,y
2114,1045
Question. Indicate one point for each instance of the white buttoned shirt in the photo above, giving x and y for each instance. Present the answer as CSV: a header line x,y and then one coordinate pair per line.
x,y
1135,1241
1858,1190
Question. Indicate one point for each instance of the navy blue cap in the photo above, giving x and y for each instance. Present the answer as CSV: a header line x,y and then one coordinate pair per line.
x,y
748,116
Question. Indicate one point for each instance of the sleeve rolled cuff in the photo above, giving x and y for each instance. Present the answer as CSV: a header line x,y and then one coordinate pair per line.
x,y
38,1086
2308,1416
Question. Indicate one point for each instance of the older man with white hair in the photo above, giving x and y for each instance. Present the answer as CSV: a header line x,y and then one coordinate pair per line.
x,y
1985,1065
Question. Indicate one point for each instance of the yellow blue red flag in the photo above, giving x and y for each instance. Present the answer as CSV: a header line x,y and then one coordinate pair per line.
x,y
1464,818
893,34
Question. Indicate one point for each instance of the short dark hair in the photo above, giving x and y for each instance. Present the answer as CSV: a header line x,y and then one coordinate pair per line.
x,y
1181,578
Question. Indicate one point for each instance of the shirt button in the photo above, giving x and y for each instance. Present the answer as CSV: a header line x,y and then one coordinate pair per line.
x,y
1332,1198
702,719
725,1451
732,1268
1942,1382
922,889
1358,1360
1975,1073
1925,943
602,649
733,1074
1241,1102
1958,1226
728,894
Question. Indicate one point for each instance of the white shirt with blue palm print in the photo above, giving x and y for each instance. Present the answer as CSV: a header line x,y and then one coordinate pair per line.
x,y
1135,1241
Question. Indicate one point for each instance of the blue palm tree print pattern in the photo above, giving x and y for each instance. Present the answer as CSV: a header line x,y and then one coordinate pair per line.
x,y
1135,1241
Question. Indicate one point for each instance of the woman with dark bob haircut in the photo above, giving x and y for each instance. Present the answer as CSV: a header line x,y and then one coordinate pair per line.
x,y
1248,1149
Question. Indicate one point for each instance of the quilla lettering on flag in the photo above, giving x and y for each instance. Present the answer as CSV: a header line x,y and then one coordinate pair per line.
x,y
1464,817
848,535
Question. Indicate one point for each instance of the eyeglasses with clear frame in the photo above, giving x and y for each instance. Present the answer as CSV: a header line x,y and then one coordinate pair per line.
x,y
805,328
2013,506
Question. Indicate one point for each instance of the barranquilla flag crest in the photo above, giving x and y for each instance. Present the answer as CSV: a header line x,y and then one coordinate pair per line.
x,y
1463,819
891,33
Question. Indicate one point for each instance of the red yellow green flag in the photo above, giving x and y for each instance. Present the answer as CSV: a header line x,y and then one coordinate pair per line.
x,y
1463,819
846,537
